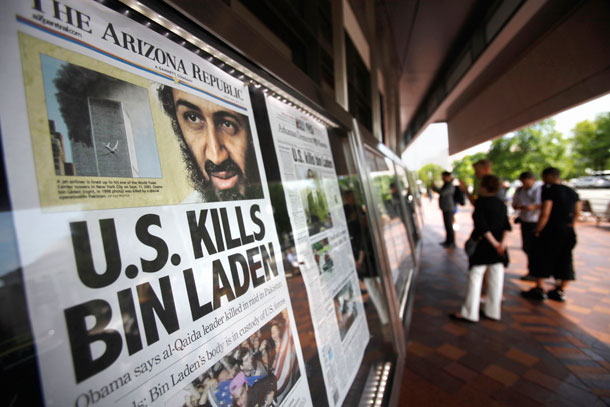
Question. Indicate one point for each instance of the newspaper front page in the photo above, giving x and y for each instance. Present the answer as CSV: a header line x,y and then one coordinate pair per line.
x,y
322,245
150,258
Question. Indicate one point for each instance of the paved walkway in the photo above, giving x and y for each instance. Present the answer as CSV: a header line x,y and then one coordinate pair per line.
x,y
540,354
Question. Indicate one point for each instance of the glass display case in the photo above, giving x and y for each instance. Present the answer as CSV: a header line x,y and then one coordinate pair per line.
x,y
181,229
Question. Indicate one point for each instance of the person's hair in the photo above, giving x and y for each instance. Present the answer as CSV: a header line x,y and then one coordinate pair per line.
x,y
484,162
491,183
166,99
241,354
526,175
446,174
229,362
279,322
551,172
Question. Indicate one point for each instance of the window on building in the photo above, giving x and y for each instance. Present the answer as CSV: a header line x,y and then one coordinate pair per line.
x,y
306,28
358,85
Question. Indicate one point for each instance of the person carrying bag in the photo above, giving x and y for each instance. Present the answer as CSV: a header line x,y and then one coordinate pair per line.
x,y
486,250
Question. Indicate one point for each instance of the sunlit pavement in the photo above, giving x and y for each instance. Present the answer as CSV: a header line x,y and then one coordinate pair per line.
x,y
541,353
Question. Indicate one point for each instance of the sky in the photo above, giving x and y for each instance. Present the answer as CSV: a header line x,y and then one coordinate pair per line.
x,y
432,145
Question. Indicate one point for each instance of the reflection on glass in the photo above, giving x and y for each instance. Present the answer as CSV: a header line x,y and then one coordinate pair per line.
x,y
409,200
379,348
387,197
415,195
315,253
17,351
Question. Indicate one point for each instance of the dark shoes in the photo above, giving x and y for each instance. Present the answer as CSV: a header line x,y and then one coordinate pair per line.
x,y
448,245
538,293
528,277
535,293
557,295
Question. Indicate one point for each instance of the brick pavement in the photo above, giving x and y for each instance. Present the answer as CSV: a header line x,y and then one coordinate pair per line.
x,y
540,354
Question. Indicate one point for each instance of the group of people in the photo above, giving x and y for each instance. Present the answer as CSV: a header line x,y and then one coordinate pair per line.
x,y
259,372
546,213
547,229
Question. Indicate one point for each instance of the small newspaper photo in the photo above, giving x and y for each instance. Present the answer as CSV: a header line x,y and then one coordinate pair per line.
x,y
260,371
315,202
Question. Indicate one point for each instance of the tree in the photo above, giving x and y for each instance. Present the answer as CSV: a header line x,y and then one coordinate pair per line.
x,y
591,143
530,149
430,173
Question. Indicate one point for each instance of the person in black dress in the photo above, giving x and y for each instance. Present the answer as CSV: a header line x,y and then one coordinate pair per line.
x,y
490,226
555,237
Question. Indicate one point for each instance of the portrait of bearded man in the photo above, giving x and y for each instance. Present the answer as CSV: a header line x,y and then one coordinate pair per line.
x,y
216,145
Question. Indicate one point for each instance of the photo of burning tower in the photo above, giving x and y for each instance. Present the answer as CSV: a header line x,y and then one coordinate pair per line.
x,y
103,118
109,151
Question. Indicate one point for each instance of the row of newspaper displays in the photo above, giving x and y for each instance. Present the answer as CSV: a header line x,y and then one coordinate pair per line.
x,y
151,262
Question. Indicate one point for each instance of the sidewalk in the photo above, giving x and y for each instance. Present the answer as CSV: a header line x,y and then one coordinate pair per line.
x,y
540,354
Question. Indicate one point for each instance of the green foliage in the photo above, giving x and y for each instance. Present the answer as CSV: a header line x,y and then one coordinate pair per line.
x,y
591,144
351,183
537,147
415,187
530,149
430,173
381,183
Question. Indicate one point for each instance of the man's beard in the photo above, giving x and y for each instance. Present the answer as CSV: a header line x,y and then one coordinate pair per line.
x,y
204,185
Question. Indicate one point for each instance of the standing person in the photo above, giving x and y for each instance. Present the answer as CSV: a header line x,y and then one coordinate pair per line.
x,y
556,237
527,201
459,198
447,206
481,169
490,225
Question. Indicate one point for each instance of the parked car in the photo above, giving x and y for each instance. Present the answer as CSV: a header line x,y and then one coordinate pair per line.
x,y
590,181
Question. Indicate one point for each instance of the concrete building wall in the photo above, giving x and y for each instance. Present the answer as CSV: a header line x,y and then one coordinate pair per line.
x,y
567,66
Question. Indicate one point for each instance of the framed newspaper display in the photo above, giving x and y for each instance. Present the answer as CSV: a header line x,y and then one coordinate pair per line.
x,y
146,239
322,245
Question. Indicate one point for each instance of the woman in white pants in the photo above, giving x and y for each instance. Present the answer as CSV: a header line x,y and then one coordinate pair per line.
x,y
490,225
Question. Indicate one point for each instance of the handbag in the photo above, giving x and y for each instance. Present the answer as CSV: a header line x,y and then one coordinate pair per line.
x,y
471,245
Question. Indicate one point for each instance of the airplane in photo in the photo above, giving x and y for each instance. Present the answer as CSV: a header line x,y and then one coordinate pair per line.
x,y
111,150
